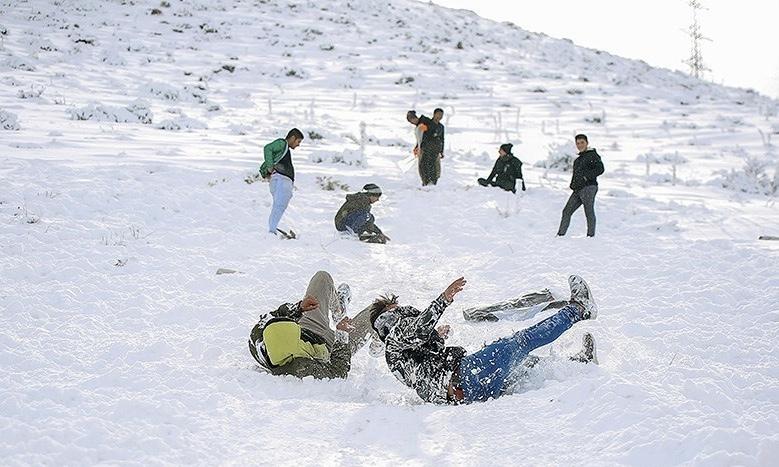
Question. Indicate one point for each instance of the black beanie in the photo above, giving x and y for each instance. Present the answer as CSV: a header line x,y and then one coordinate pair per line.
x,y
372,189
507,147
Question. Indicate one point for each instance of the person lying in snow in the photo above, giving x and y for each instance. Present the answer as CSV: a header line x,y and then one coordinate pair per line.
x,y
506,172
297,340
416,354
355,216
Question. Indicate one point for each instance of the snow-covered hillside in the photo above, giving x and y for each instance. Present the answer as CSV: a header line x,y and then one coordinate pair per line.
x,y
127,129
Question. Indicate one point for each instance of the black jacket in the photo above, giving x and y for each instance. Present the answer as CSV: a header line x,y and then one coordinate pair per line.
x,y
433,138
586,169
417,355
506,171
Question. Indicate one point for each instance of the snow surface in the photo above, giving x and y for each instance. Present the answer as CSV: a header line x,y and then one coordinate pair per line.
x,y
126,137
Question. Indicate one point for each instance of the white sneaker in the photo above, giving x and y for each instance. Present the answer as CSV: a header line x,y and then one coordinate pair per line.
x,y
581,294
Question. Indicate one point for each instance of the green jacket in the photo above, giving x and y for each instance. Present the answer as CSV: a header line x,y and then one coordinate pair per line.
x,y
273,153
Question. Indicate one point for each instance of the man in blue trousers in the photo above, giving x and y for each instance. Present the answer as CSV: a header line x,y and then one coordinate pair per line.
x,y
277,167
355,216
416,354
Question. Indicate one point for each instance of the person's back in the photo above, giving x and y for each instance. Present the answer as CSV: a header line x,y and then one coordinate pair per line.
x,y
354,202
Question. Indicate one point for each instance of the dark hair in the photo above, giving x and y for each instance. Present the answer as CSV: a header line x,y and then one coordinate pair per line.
x,y
438,109
507,147
296,133
379,305
581,136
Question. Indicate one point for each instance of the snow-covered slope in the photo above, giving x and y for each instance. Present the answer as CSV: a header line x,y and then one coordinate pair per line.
x,y
126,132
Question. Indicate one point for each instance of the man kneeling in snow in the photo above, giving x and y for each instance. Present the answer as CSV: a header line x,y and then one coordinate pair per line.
x,y
297,340
355,216
417,356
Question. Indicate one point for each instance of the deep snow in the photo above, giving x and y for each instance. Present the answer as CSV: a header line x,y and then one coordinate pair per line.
x,y
120,344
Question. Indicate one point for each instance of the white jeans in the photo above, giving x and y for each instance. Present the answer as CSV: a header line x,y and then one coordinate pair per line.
x,y
281,191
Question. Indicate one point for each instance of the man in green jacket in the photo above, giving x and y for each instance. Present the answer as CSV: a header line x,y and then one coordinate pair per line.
x,y
277,165
297,340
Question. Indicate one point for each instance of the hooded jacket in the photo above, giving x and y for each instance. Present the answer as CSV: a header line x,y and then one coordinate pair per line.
x,y
354,202
282,347
505,173
586,169
416,354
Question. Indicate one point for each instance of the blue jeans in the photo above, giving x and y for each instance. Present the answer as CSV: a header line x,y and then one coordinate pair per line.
x,y
281,190
356,221
488,373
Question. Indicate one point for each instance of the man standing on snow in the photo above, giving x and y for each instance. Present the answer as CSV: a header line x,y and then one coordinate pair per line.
x,y
431,148
584,183
277,165
417,356
297,340
355,215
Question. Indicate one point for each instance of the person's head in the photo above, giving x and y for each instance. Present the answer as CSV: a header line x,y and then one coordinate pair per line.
x,y
373,191
383,316
581,142
438,114
411,117
505,149
294,138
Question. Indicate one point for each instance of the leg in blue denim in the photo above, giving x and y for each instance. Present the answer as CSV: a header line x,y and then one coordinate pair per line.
x,y
281,191
483,374
356,221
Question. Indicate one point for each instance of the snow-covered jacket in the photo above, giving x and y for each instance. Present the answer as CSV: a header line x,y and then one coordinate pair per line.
x,y
416,354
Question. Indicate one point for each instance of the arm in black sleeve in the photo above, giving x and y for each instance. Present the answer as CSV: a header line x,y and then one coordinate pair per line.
x,y
288,310
494,172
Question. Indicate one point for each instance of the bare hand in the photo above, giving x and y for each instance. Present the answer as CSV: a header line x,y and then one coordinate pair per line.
x,y
454,288
345,324
308,304
444,330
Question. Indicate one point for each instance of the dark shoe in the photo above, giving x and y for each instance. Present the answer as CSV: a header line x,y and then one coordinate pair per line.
x,y
580,294
589,353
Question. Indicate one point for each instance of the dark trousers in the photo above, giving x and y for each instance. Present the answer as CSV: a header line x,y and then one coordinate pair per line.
x,y
429,167
586,197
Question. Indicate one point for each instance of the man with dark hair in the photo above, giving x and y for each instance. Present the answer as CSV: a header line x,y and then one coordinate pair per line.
x,y
584,183
297,340
506,171
277,165
417,356
431,147
355,216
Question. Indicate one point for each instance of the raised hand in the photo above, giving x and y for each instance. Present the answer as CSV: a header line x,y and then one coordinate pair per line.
x,y
454,288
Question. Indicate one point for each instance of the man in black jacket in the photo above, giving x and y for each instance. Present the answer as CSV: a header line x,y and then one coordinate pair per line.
x,y
418,357
432,146
506,172
584,184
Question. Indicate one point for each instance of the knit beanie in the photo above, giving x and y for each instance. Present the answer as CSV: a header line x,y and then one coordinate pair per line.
x,y
372,189
506,147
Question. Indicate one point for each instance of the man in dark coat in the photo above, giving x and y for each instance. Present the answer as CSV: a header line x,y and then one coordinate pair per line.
x,y
418,357
506,172
584,183
355,216
431,149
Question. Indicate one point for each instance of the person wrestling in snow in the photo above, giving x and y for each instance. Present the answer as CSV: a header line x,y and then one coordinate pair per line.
x,y
416,354
297,340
